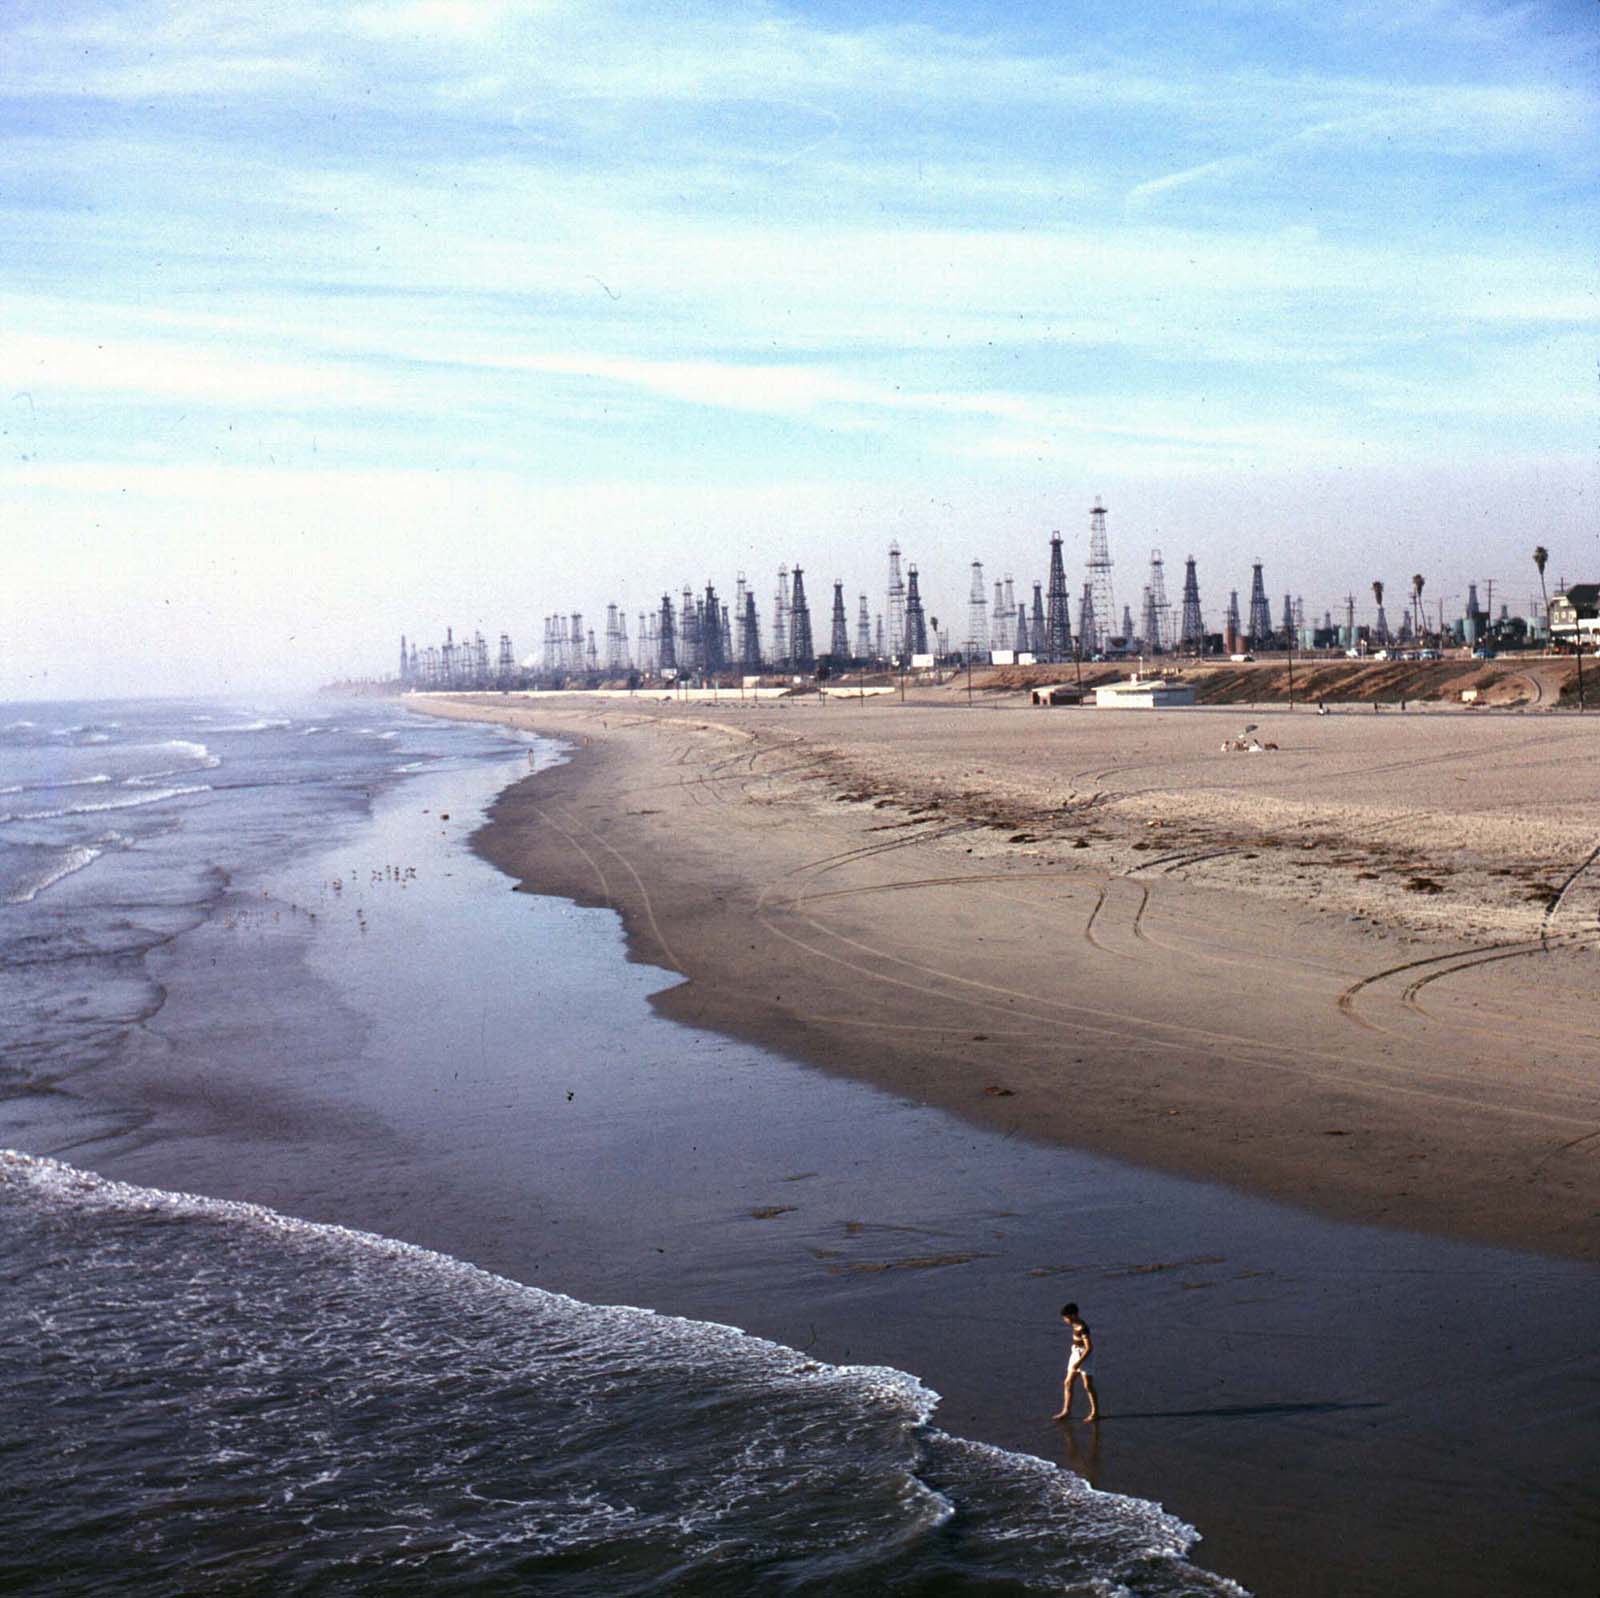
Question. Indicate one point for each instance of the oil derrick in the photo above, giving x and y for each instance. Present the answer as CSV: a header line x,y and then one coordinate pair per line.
x,y
1057,641
1105,611
1149,622
725,627
1288,617
690,657
1088,627
1380,628
591,655
863,631
613,640
711,655
506,665
750,636
480,655
575,642
624,657
739,589
1038,639
1158,632
1000,625
881,651
447,657
1192,634
1127,623
897,598
1022,646
1230,623
1010,612
780,620
666,638
916,639
413,676
405,663
977,615
839,643
1259,632
802,653
547,652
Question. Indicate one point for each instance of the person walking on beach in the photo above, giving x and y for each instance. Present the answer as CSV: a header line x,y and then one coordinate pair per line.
x,y
1080,1364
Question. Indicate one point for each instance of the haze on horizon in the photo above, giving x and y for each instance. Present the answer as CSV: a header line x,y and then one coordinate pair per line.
x,y
324,322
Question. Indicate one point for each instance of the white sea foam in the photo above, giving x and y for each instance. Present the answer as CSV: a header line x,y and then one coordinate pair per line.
x,y
200,758
197,751
72,860
66,782
265,724
152,796
780,1425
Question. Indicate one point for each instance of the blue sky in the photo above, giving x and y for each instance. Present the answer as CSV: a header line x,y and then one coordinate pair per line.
x,y
324,321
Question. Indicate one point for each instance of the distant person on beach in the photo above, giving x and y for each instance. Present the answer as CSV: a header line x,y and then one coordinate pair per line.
x,y
1080,1364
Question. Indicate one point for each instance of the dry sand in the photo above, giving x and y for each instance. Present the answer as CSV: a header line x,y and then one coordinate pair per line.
x,y
1357,972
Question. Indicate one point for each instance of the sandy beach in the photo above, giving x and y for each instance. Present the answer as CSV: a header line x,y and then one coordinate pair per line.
x,y
1354,972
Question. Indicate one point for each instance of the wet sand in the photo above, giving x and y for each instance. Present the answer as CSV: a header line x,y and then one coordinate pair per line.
x,y
1354,973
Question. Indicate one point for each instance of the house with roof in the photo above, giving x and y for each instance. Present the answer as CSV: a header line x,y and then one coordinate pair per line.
x,y
1575,615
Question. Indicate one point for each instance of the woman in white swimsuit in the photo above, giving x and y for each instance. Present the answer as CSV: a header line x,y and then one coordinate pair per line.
x,y
1080,1364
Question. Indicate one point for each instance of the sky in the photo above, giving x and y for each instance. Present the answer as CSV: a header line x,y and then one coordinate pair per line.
x,y
321,322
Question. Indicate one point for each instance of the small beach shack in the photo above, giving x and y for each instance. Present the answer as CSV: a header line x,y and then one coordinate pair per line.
x,y
1060,693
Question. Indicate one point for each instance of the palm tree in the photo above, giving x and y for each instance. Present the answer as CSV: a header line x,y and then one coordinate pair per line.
x,y
1383,628
1416,605
1540,556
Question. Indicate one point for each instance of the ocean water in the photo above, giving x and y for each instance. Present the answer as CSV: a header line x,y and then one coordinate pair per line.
x,y
211,1396
207,1394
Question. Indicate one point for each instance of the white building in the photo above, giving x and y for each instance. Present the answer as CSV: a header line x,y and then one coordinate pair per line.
x,y
1144,693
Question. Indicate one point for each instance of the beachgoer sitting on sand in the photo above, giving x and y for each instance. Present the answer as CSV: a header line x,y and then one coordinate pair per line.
x,y
1080,1364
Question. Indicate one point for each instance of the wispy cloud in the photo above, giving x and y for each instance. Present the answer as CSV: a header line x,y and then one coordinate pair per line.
x,y
547,247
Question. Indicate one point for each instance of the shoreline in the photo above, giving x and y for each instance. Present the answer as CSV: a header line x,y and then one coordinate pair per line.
x,y
898,932
630,1160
